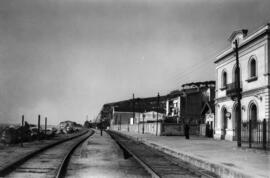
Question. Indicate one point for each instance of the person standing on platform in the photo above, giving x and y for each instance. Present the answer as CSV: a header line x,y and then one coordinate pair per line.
x,y
186,130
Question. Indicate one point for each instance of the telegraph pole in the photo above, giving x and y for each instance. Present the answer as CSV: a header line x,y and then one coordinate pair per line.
x,y
120,122
143,123
133,112
239,96
38,127
138,121
157,114
22,134
45,127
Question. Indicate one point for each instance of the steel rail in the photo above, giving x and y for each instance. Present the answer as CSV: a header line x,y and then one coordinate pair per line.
x,y
64,164
148,168
10,168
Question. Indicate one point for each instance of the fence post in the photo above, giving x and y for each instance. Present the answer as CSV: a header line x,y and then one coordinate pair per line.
x,y
264,134
249,129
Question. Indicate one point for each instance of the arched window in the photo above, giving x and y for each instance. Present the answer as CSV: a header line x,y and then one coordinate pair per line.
x,y
252,68
253,115
235,116
224,120
234,74
224,79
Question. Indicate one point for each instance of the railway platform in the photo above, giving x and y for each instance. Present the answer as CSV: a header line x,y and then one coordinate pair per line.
x,y
221,157
101,157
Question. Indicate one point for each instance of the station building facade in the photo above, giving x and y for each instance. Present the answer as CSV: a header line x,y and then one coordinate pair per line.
x,y
254,65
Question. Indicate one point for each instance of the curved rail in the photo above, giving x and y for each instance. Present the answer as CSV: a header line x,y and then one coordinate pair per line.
x,y
10,168
63,167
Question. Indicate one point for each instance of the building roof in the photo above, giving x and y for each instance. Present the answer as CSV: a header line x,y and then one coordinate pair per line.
x,y
174,93
265,29
238,32
199,84
140,105
208,106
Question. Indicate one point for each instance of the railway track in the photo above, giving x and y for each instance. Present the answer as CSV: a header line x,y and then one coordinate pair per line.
x,y
157,163
51,162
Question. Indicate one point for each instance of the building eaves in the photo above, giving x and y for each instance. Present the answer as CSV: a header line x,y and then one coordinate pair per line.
x,y
173,94
249,38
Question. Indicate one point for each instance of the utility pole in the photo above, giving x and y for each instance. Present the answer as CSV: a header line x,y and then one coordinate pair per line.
x,y
45,127
143,123
239,96
101,126
38,127
157,114
133,110
138,121
120,122
22,134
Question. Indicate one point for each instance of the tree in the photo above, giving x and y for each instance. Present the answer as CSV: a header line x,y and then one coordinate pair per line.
x,y
86,124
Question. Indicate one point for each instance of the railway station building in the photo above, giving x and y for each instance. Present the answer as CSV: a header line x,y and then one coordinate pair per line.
x,y
253,50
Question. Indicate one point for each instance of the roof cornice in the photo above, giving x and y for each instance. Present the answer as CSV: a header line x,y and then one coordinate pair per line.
x,y
249,38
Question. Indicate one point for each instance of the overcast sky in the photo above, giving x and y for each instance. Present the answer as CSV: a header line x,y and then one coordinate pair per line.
x,y
65,58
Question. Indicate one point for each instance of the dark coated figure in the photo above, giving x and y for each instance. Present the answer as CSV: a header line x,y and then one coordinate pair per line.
x,y
207,130
186,131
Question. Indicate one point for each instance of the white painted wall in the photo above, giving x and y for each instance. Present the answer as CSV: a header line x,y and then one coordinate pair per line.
x,y
259,50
